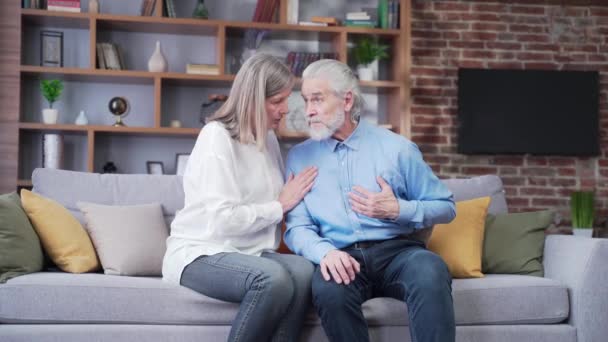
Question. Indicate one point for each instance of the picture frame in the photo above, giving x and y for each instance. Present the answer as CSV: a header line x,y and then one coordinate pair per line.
x,y
155,168
181,160
51,48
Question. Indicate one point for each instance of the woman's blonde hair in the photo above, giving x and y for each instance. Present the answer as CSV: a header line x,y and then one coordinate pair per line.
x,y
244,112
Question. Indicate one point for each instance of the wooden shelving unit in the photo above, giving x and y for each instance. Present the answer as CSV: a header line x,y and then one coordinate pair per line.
x,y
395,87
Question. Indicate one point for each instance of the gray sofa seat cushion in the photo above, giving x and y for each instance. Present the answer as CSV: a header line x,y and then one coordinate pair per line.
x,y
69,187
96,298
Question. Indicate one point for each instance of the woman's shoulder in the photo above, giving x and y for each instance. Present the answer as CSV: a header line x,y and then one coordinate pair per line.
x,y
214,139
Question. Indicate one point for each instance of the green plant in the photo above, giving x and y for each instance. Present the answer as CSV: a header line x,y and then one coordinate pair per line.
x,y
51,90
582,207
368,50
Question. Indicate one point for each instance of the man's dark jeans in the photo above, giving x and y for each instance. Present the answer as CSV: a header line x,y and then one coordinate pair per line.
x,y
401,269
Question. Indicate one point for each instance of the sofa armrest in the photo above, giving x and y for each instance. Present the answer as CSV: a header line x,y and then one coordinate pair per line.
x,y
582,265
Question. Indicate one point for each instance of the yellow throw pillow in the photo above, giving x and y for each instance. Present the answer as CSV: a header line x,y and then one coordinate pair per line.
x,y
62,236
460,242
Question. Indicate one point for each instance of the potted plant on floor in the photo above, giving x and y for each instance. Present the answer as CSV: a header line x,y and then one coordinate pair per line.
x,y
582,208
51,90
367,52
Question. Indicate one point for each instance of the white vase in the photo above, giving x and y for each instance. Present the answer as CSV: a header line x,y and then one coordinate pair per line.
x,y
583,232
365,72
157,62
82,119
93,6
52,153
49,116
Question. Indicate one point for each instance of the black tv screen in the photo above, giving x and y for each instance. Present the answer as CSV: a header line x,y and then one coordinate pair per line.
x,y
528,112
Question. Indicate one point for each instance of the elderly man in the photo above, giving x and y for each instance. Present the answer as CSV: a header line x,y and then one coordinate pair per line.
x,y
373,190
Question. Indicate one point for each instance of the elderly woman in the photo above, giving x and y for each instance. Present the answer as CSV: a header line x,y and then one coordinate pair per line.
x,y
223,241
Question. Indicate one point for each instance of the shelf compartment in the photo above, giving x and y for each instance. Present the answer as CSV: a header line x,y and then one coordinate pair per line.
x,y
162,131
110,146
75,154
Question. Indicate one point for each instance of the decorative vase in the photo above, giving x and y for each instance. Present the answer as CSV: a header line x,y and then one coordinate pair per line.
x,y
200,10
52,152
365,72
157,62
82,119
93,6
583,232
49,116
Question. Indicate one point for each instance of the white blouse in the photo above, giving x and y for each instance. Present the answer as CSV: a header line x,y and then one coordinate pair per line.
x,y
231,191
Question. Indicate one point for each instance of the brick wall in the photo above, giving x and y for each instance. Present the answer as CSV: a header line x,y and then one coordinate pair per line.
x,y
451,34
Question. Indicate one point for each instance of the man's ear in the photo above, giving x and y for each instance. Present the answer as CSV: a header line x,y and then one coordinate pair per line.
x,y
348,101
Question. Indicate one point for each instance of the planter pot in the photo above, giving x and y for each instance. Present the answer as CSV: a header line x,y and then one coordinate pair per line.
x,y
49,116
366,73
584,232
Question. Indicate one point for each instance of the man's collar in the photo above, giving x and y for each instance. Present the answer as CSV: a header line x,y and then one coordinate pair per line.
x,y
353,141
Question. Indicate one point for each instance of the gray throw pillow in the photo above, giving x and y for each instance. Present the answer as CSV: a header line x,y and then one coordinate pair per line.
x,y
20,250
480,186
129,240
514,243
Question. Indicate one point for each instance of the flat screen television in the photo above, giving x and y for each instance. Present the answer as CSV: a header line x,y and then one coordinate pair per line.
x,y
537,112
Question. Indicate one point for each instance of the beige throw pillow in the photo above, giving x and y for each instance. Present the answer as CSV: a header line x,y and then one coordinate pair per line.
x,y
130,240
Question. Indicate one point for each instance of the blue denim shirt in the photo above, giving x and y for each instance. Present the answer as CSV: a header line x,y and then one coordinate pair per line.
x,y
324,220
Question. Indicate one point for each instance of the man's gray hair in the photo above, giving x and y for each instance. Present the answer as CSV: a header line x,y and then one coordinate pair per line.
x,y
341,80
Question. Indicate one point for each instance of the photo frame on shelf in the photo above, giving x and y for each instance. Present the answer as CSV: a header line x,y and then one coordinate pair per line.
x,y
51,48
181,160
155,168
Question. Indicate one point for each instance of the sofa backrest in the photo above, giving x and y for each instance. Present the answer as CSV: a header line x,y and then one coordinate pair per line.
x,y
480,186
70,187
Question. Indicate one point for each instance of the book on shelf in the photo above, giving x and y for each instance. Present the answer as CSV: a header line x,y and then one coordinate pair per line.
x,y
109,56
298,61
64,5
170,9
265,10
330,21
360,23
202,69
388,14
310,23
147,8
33,4
292,11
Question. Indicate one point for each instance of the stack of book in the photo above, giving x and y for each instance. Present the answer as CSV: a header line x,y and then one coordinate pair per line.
x,y
147,7
298,61
361,19
63,5
170,9
36,4
202,69
109,56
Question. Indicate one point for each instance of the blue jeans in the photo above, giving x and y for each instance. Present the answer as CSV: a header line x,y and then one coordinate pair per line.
x,y
401,269
274,291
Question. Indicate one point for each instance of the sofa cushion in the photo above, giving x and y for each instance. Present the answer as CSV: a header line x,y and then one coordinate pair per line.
x,y
69,187
61,235
20,250
98,298
460,242
129,239
480,186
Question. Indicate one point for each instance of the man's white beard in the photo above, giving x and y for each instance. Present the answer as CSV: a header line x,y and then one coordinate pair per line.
x,y
326,131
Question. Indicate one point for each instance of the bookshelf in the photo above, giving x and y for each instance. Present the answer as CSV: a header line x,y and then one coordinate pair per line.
x,y
161,97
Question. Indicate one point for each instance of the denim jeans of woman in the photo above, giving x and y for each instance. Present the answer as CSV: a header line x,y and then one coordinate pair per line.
x,y
274,291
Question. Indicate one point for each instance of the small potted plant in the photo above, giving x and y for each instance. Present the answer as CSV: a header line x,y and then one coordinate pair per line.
x,y
367,52
582,208
51,90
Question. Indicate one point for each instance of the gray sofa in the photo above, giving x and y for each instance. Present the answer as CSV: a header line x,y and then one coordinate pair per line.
x,y
569,304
